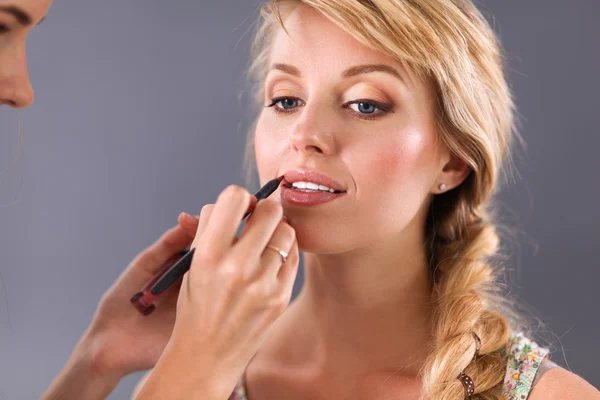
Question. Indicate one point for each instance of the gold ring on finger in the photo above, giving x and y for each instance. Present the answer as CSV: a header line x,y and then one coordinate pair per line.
x,y
282,253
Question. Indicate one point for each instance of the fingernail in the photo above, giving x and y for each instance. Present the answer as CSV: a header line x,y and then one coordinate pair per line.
x,y
188,218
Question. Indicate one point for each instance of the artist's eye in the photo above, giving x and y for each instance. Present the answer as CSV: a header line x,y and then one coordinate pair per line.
x,y
285,104
3,29
368,109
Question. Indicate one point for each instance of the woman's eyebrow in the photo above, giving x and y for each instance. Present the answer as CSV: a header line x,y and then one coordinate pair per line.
x,y
350,72
366,68
288,69
21,16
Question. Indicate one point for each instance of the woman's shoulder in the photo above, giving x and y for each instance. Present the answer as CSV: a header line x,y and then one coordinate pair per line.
x,y
524,358
531,375
527,362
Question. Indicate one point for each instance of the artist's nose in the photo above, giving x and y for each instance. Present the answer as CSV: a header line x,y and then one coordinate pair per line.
x,y
15,87
313,131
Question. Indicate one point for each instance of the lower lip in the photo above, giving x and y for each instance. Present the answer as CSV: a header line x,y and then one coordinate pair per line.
x,y
308,198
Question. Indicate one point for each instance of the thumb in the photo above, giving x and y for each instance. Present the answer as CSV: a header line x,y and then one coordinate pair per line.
x,y
148,263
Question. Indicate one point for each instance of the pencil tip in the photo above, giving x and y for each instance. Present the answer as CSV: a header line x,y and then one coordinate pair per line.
x,y
280,178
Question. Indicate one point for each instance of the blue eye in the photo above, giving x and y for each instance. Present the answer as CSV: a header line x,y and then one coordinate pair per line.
x,y
363,108
285,104
288,103
368,109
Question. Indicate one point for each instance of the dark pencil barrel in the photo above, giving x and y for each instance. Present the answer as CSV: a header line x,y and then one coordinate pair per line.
x,y
179,264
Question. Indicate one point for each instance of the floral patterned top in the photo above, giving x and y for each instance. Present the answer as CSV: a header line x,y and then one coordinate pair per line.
x,y
524,359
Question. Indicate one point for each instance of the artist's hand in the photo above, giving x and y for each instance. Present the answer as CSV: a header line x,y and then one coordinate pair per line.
x,y
122,340
232,294
119,339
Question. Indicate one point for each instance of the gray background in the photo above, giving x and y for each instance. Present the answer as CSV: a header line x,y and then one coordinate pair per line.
x,y
138,117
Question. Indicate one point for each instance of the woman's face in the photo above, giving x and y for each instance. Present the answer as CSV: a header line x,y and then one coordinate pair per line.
x,y
17,19
370,128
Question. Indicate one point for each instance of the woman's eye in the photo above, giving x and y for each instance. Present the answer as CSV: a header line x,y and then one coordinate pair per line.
x,y
288,103
285,104
3,29
363,108
368,109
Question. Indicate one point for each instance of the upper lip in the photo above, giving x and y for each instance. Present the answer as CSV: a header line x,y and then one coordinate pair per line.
x,y
319,178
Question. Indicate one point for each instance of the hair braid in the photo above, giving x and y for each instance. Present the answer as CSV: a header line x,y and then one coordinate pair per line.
x,y
461,242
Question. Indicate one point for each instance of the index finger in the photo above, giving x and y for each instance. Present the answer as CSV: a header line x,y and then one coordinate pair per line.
x,y
219,233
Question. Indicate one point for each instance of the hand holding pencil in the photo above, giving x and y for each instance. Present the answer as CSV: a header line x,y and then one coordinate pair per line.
x,y
233,292
120,340
179,264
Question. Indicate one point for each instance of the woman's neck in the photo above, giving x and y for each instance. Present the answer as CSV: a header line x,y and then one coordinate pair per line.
x,y
367,309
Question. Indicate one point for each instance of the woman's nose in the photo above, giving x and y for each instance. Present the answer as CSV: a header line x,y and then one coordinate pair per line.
x,y
313,132
15,87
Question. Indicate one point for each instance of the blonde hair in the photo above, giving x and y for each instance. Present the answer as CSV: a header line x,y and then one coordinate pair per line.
x,y
450,44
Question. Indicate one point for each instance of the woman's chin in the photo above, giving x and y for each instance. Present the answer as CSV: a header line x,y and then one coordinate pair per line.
x,y
321,242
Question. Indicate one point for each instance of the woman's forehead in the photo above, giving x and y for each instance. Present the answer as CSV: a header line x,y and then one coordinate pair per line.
x,y
316,45
312,39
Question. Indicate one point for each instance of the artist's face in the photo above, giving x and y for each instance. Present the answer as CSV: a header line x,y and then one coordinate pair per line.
x,y
17,19
374,132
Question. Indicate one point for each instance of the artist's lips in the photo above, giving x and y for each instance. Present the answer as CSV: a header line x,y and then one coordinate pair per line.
x,y
306,187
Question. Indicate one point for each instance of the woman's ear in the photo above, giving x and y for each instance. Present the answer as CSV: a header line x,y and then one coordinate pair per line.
x,y
453,173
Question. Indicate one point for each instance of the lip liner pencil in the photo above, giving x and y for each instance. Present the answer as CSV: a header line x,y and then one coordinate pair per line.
x,y
179,264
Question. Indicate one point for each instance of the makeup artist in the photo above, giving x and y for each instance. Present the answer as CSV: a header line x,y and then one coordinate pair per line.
x,y
119,340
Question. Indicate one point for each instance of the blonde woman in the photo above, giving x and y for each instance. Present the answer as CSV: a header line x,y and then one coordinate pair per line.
x,y
402,108
399,110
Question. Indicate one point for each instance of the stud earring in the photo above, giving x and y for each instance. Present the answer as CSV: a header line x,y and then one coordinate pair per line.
x,y
442,187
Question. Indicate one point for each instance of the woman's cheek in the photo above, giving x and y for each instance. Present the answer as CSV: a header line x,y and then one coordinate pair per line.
x,y
265,154
391,173
411,154
393,161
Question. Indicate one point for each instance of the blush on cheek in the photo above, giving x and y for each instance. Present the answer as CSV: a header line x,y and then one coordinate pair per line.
x,y
414,151
388,162
267,152
398,164
397,158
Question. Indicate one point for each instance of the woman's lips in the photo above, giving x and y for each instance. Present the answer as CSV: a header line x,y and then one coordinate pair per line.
x,y
314,176
307,198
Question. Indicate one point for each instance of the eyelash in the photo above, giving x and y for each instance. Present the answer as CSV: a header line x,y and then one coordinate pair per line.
x,y
382,108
